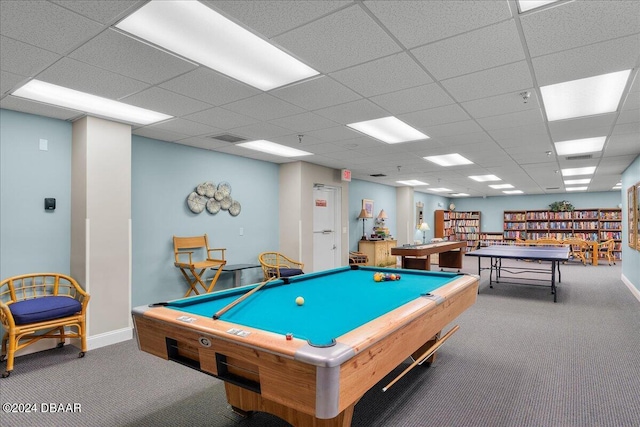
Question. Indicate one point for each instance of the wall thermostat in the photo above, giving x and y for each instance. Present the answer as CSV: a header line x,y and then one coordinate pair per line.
x,y
49,204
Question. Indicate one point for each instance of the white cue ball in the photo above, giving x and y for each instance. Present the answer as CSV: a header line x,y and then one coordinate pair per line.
x,y
299,300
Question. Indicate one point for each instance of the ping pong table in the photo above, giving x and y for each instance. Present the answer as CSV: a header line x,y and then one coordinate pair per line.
x,y
553,254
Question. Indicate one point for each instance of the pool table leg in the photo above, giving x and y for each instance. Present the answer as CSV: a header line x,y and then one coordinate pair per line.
x,y
244,402
419,352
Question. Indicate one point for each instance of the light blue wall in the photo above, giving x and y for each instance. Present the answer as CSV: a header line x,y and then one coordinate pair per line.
x,y
630,257
431,203
383,196
492,208
163,175
32,239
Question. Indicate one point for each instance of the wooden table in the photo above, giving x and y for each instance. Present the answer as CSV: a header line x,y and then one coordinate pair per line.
x,y
348,335
417,257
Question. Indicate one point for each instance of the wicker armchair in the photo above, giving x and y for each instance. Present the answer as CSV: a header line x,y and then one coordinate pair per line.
x,y
274,264
48,303
605,249
579,249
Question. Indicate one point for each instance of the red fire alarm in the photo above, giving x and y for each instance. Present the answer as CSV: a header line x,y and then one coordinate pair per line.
x,y
346,175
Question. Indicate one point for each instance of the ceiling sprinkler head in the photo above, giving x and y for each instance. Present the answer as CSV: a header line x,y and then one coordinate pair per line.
x,y
525,96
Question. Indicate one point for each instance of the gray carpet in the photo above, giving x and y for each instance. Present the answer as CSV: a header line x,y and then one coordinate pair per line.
x,y
517,360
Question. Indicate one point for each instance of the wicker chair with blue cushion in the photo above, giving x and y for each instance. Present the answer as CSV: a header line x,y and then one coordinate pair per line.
x,y
274,264
41,305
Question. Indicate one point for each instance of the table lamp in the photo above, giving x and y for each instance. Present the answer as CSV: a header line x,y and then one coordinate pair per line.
x,y
363,216
424,227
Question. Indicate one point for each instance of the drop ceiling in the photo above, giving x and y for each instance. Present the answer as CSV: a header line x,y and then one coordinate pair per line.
x,y
455,70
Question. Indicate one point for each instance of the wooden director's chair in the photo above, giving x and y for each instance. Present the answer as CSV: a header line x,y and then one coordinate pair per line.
x,y
196,268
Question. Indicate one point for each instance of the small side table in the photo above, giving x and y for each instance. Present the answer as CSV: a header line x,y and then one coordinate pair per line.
x,y
237,271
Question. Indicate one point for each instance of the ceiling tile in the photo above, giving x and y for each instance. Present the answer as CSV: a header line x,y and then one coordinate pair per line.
x,y
87,78
477,50
184,127
579,23
593,60
221,118
304,122
520,118
353,112
419,22
449,129
271,18
20,104
384,75
8,81
262,131
435,116
45,25
161,134
23,59
264,107
164,101
333,134
413,99
209,86
316,93
351,36
105,12
621,145
582,127
121,54
495,81
502,104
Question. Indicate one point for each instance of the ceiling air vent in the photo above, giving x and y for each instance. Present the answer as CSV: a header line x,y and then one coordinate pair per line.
x,y
227,137
378,175
552,188
582,157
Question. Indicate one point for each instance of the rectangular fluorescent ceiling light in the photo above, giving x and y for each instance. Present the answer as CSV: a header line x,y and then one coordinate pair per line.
x,y
576,188
48,93
577,181
513,191
501,186
577,146
485,178
388,129
459,194
584,97
440,190
454,159
526,5
273,148
412,182
197,32
578,171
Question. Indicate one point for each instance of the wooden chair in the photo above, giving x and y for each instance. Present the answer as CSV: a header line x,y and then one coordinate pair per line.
x,y
579,249
184,249
274,264
358,258
605,249
47,303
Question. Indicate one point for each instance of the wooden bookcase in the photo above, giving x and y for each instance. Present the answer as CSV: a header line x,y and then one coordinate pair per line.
x,y
454,225
596,225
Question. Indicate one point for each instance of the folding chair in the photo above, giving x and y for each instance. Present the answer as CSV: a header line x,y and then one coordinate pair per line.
x,y
193,270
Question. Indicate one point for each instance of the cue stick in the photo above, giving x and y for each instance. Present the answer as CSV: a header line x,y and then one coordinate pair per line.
x,y
424,356
232,304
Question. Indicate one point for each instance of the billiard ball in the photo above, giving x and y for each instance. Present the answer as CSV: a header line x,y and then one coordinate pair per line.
x,y
299,300
398,277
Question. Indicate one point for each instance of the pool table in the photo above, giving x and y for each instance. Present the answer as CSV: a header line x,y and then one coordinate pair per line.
x,y
308,364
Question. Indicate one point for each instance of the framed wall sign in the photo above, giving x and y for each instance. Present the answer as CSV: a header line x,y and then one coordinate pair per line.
x,y
367,205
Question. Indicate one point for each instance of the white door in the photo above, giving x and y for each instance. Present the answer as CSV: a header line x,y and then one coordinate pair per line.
x,y
326,224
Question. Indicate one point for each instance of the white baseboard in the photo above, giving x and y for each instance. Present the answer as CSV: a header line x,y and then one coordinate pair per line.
x,y
93,342
633,289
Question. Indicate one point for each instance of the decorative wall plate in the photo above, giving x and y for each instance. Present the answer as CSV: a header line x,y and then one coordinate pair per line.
x,y
226,202
225,188
234,210
213,206
196,202
218,195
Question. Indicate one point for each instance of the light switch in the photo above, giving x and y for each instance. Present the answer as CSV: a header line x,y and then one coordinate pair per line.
x,y
44,145
242,231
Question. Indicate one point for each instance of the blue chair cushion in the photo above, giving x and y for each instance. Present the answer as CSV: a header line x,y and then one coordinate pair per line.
x,y
288,272
44,308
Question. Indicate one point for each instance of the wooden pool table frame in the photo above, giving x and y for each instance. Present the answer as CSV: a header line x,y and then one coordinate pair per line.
x,y
304,385
418,257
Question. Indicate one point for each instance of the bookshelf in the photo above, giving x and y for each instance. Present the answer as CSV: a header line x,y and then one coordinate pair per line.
x,y
596,225
491,238
454,225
